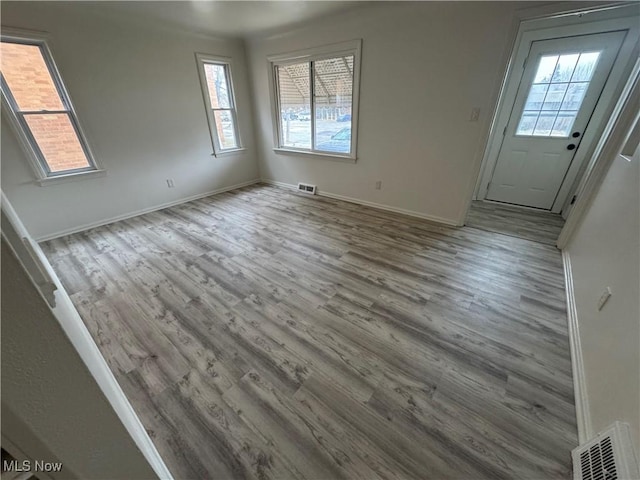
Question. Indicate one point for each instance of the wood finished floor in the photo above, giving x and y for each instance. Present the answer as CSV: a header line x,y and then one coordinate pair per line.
x,y
539,226
265,334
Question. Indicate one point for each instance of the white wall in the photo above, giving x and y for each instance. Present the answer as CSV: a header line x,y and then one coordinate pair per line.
x,y
52,408
425,65
136,91
605,252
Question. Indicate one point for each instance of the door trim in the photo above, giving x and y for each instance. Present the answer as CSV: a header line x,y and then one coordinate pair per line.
x,y
82,341
619,136
584,22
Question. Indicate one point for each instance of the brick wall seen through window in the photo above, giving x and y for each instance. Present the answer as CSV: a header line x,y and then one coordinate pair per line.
x,y
36,97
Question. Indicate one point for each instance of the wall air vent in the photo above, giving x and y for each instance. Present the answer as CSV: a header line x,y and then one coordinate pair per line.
x,y
306,188
608,456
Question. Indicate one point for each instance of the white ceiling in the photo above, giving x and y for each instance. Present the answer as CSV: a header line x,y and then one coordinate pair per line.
x,y
226,18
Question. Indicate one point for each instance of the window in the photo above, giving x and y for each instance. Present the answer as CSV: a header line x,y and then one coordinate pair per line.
x,y
41,111
316,99
556,94
217,89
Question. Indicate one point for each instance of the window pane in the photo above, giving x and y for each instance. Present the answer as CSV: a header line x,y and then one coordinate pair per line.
x,y
333,88
217,85
545,69
575,95
28,77
564,68
58,141
527,123
295,105
555,95
545,123
563,124
536,97
586,66
225,129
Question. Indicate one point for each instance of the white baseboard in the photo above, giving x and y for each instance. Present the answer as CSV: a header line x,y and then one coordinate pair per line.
x,y
290,186
379,206
107,221
583,417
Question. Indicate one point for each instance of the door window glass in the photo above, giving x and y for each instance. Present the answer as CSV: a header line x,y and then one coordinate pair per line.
x,y
556,94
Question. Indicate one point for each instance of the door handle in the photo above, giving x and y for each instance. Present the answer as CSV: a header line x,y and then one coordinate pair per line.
x,y
571,146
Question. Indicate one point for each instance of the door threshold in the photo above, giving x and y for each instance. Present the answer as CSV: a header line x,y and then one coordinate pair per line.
x,y
515,205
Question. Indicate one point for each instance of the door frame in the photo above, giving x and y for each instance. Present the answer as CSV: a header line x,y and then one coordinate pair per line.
x,y
621,138
585,21
37,266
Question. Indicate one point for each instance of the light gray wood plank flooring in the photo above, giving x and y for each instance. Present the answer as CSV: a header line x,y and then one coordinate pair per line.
x,y
264,334
538,226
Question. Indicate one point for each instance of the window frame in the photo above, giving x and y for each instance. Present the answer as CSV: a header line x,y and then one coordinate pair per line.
x,y
226,62
16,118
352,47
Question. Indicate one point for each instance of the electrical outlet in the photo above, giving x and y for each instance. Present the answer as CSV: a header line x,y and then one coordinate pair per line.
x,y
379,185
475,114
170,183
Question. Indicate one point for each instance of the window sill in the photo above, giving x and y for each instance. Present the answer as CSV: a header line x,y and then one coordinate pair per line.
x,y
327,156
72,177
227,153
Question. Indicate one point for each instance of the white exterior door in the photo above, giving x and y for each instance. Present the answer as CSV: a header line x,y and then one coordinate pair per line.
x,y
560,87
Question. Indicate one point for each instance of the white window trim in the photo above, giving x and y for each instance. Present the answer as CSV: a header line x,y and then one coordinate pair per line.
x,y
43,177
353,47
201,60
